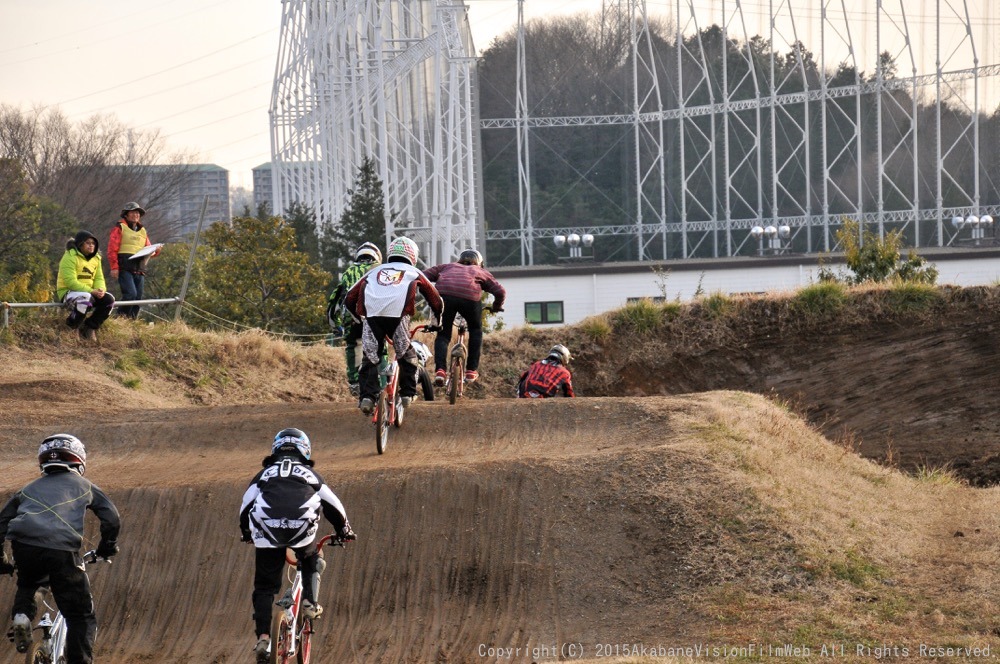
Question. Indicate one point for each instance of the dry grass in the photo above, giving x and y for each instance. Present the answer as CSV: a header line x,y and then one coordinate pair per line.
x,y
879,547
183,366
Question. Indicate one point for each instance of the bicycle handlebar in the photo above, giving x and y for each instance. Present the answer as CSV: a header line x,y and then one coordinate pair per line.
x,y
91,558
329,540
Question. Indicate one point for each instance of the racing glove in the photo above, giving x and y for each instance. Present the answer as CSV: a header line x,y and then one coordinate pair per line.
x,y
347,534
246,536
107,549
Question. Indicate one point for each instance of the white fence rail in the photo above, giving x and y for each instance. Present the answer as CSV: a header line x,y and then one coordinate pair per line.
x,y
7,306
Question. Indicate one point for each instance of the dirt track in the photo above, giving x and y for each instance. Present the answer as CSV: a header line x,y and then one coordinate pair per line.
x,y
495,523
471,533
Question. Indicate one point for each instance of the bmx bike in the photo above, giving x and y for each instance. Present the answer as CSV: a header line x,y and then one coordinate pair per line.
x,y
458,356
51,648
389,408
291,632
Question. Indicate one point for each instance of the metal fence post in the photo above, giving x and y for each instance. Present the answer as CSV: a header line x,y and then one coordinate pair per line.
x,y
190,265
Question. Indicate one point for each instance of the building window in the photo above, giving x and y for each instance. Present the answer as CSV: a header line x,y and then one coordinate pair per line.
x,y
543,312
655,299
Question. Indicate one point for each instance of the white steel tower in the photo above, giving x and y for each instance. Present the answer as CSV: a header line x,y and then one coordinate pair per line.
x,y
393,80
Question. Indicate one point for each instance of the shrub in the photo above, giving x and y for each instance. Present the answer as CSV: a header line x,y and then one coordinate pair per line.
x,y
877,259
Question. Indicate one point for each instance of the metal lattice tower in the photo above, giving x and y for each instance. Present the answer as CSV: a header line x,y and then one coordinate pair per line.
x,y
808,157
393,80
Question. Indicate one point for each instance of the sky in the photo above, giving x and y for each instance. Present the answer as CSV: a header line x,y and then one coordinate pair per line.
x,y
200,71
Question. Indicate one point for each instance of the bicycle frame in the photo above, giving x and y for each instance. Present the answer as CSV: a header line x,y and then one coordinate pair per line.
x,y
300,629
53,642
52,624
455,382
388,407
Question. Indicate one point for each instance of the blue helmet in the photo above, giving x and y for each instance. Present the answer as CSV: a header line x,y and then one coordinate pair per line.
x,y
288,441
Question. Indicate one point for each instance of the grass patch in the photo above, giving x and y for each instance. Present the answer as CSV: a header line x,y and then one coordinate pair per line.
x,y
907,297
132,360
717,305
822,299
641,317
857,570
937,476
597,329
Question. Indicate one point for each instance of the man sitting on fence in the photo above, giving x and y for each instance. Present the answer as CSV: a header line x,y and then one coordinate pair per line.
x,y
80,286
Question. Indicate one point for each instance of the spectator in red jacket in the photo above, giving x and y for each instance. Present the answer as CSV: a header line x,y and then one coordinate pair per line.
x,y
461,286
546,378
127,237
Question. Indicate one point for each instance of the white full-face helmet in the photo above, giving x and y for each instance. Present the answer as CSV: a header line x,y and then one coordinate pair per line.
x,y
62,450
561,353
405,248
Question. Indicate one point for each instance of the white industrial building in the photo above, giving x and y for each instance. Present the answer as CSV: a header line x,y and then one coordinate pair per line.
x,y
568,293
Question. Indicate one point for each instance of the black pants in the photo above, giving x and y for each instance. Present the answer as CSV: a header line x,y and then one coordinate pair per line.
x,y
378,328
472,312
267,581
64,574
99,314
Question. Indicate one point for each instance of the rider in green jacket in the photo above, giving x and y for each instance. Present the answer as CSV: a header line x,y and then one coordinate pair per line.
x,y
365,258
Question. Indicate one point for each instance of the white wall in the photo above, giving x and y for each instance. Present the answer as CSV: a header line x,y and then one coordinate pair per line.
x,y
586,290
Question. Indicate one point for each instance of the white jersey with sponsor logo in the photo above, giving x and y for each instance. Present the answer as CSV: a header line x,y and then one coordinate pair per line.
x,y
388,287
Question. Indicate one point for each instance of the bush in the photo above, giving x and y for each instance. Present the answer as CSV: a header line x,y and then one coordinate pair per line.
x,y
877,259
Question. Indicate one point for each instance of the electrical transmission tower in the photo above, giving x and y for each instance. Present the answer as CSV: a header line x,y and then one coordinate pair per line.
x,y
393,80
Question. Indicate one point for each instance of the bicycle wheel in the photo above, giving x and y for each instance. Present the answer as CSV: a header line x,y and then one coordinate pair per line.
x,y
305,642
382,423
281,638
37,655
400,412
455,381
426,384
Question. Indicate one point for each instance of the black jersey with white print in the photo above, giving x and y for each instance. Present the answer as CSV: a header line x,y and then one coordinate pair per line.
x,y
283,504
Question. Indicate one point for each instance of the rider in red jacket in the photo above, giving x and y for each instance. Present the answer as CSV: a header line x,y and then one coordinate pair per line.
x,y
547,377
461,286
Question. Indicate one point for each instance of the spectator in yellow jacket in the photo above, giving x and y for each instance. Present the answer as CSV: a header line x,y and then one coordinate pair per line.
x,y
80,285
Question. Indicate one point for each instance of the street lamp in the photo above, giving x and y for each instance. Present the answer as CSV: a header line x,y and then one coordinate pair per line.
x,y
576,244
774,236
979,225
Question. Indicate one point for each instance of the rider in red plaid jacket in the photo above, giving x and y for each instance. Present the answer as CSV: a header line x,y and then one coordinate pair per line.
x,y
547,377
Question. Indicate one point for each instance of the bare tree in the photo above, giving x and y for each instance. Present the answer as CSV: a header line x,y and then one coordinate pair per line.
x,y
93,167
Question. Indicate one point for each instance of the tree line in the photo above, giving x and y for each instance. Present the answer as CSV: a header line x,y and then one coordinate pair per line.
x,y
584,175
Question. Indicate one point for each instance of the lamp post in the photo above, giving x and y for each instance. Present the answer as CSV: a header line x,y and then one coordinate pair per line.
x,y
977,224
576,243
774,234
